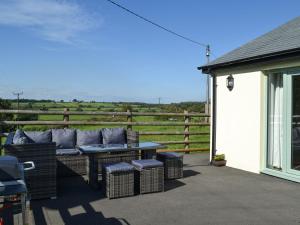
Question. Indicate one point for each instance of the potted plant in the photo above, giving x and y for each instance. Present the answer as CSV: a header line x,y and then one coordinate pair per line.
x,y
219,160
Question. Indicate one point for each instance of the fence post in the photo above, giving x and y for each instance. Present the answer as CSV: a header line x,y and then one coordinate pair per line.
x,y
129,119
186,131
207,119
66,116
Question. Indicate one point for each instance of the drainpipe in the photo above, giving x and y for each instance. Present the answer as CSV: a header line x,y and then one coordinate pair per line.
x,y
214,115
213,111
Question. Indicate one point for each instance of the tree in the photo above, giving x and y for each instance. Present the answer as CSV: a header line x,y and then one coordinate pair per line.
x,y
5,104
126,107
44,108
79,108
29,105
27,117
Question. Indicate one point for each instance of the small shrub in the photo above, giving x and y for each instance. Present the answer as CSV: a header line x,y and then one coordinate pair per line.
x,y
41,127
44,108
126,107
5,104
161,118
29,106
219,157
27,117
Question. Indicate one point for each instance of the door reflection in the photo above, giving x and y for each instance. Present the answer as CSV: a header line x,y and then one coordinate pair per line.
x,y
295,156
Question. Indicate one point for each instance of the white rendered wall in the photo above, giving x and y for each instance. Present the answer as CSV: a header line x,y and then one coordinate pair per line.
x,y
239,121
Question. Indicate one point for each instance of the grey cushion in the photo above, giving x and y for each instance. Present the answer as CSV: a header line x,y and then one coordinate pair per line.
x,y
21,138
64,138
70,151
118,167
169,155
10,168
146,163
39,136
10,138
88,137
114,136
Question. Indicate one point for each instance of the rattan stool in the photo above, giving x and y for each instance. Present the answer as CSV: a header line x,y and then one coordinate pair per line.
x,y
118,180
148,176
173,164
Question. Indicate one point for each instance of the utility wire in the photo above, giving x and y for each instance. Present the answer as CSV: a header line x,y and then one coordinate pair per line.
x,y
157,25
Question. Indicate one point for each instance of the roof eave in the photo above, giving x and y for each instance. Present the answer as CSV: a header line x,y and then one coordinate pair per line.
x,y
207,68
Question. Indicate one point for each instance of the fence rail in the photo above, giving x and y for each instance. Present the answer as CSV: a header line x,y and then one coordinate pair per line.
x,y
128,113
186,124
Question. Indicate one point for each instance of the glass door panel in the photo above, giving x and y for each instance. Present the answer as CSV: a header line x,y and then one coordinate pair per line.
x,y
275,122
295,124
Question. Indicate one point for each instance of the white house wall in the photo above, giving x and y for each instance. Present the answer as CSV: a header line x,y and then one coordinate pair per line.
x,y
238,120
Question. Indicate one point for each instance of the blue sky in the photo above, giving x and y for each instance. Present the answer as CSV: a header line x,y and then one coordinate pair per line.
x,y
92,50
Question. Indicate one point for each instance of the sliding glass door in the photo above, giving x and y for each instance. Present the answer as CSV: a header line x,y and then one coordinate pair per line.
x,y
275,122
283,129
293,113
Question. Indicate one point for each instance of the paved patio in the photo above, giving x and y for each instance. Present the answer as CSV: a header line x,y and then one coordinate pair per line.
x,y
206,195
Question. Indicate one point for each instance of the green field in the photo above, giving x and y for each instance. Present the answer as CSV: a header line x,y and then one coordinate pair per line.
x,y
121,107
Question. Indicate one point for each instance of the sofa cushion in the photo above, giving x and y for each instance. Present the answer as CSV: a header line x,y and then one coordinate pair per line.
x,y
114,136
64,138
70,151
21,138
170,155
39,136
118,167
146,163
10,138
88,137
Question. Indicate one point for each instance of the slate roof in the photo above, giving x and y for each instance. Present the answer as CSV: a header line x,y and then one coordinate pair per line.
x,y
283,39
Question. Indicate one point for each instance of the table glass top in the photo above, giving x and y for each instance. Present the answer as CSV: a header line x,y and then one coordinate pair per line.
x,y
119,147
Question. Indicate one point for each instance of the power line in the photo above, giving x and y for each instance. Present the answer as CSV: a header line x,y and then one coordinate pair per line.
x,y
157,25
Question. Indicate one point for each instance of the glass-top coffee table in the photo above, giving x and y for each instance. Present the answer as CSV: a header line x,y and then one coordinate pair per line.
x,y
108,153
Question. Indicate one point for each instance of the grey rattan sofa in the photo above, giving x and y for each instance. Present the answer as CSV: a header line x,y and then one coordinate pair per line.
x,y
70,162
41,181
55,154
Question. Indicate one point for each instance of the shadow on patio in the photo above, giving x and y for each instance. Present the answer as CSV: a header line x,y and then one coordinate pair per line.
x,y
73,206
205,195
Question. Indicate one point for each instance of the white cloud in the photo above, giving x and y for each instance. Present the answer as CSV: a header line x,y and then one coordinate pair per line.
x,y
54,20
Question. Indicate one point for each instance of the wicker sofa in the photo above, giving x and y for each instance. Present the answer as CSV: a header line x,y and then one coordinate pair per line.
x,y
56,155
41,181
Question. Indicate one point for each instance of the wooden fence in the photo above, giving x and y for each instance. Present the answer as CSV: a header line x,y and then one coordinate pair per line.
x,y
130,123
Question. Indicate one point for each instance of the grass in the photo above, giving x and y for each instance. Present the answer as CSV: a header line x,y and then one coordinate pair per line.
x,y
118,107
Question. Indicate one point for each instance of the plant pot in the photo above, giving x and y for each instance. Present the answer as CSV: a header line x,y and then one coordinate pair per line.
x,y
219,163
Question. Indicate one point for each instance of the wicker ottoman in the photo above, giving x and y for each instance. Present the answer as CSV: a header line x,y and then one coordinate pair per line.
x,y
173,164
118,180
148,176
